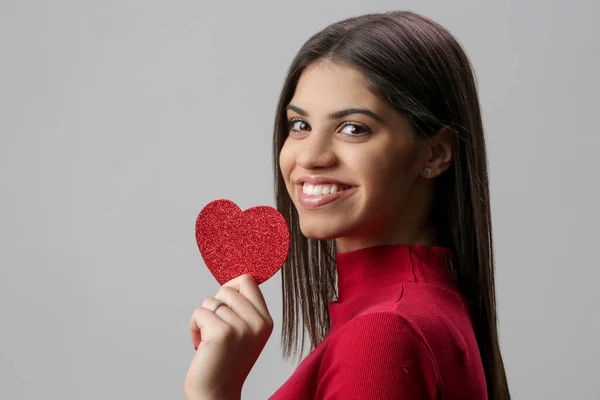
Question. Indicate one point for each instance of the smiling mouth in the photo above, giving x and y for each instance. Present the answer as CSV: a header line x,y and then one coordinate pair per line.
x,y
322,189
315,197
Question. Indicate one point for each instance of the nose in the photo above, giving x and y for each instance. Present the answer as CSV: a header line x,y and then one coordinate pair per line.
x,y
316,152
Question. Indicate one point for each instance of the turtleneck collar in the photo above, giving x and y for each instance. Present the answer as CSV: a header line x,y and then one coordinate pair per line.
x,y
369,275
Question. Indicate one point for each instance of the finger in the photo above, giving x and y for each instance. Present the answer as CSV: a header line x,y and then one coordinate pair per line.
x,y
242,308
226,312
205,325
247,286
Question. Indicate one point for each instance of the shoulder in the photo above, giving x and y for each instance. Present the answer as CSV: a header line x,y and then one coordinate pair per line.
x,y
382,353
386,331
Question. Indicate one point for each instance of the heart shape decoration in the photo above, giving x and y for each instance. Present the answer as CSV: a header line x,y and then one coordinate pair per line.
x,y
233,242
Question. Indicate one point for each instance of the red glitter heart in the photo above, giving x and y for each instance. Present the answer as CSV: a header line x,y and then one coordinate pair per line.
x,y
233,243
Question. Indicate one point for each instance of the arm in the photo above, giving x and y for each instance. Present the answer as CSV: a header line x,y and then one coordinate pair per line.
x,y
378,356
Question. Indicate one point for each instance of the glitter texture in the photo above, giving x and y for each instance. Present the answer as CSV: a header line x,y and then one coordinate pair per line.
x,y
233,242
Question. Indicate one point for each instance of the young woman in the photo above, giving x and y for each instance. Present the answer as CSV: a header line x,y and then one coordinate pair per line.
x,y
380,171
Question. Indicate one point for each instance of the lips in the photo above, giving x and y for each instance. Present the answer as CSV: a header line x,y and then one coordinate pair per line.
x,y
318,180
316,201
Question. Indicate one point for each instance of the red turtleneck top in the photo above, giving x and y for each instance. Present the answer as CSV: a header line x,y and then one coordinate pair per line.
x,y
399,330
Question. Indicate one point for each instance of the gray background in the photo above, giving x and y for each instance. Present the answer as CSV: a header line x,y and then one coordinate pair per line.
x,y
120,120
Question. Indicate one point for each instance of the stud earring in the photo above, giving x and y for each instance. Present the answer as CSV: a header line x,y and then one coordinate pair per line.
x,y
428,170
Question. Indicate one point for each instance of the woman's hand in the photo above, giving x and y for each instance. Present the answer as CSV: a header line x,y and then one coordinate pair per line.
x,y
228,341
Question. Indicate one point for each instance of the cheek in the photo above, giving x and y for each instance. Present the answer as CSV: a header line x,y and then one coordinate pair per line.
x,y
387,179
286,161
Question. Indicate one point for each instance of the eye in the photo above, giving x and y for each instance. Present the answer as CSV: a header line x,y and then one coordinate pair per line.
x,y
297,125
353,128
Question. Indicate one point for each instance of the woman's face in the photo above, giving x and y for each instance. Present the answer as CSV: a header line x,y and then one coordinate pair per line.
x,y
373,152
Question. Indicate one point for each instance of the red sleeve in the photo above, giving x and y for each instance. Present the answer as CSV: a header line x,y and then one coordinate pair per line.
x,y
378,356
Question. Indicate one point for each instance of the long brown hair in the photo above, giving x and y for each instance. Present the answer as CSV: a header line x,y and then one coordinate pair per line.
x,y
420,69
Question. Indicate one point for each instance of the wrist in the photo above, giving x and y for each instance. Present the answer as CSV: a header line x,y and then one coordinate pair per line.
x,y
226,396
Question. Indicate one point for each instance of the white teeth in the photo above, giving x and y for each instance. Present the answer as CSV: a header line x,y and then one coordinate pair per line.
x,y
318,190
307,189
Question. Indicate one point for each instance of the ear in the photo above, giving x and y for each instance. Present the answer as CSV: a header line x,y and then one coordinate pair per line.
x,y
439,153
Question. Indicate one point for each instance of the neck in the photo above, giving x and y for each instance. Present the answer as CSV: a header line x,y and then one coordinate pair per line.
x,y
426,237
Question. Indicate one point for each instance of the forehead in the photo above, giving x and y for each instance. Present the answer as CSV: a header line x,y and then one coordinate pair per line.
x,y
327,87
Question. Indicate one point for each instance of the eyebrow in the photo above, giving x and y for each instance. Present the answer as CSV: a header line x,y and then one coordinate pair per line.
x,y
338,114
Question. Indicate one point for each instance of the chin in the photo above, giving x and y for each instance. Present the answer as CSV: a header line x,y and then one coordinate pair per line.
x,y
319,231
